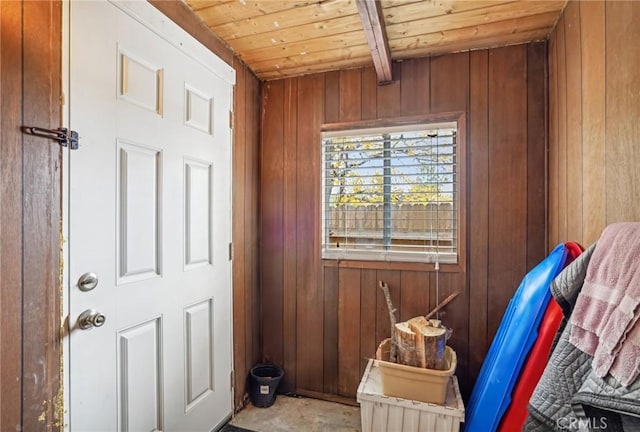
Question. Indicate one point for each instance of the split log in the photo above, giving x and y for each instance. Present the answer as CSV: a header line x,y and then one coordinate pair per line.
x,y
406,339
430,343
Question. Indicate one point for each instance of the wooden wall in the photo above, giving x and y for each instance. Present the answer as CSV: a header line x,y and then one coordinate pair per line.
x,y
246,294
321,320
594,107
30,212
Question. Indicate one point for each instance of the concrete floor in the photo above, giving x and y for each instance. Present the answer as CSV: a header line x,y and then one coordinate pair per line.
x,y
299,414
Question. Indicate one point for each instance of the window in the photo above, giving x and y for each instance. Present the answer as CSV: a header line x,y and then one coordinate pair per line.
x,y
391,193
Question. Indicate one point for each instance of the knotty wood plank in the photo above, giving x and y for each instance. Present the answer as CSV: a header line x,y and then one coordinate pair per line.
x,y
449,83
470,18
309,344
388,98
348,332
272,218
230,11
478,208
290,213
10,215
368,296
289,21
622,111
507,178
414,294
491,34
332,97
536,153
330,27
574,121
414,87
239,233
553,168
331,329
350,95
369,94
562,133
594,144
42,208
181,14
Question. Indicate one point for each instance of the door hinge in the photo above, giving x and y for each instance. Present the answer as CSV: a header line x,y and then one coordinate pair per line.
x,y
231,119
64,136
233,379
230,251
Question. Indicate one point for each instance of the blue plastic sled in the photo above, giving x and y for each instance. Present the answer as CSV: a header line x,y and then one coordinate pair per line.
x,y
511,345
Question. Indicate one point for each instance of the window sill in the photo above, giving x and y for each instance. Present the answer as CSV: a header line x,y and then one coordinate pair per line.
x,y
391,265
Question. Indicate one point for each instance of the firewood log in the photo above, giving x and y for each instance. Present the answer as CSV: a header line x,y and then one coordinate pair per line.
x,y
406,349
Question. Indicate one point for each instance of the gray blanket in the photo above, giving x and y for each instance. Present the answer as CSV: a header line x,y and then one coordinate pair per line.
x,y
569,396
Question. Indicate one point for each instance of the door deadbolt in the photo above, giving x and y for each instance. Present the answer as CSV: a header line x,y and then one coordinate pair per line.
x,y
91,318
88,281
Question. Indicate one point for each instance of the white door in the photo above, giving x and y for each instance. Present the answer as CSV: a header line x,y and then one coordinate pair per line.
x,y
149,215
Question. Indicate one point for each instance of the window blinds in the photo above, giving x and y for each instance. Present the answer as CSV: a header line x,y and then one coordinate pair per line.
x,y
391,194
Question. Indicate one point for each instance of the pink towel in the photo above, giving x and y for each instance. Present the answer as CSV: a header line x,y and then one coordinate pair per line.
x,y
605,317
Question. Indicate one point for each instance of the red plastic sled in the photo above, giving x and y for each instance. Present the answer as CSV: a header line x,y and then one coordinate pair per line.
x,y
516,414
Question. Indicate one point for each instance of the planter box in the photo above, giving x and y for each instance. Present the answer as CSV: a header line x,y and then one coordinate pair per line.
x,y
380,413
414,383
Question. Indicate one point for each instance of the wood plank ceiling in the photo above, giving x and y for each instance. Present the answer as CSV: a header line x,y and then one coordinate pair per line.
x,y
287,38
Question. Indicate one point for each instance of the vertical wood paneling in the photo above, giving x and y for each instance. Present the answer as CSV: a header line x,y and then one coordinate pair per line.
x,y
562,130
368,295
331,329
369,94
388,99
573,90
272,218
30,217
592,25
10,216
332,97
597,71
348,331
350,95
333,340
290,213
309,345
622,111
553,217
414,87
449,83
239,231
414,294
507,187
536,153
479,205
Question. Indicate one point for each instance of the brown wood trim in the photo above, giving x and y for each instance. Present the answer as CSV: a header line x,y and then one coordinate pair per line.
x,y
328,397
394,121
10,216
180,13
392,265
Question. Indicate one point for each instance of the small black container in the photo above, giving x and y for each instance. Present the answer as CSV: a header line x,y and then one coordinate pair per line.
x,y
263,383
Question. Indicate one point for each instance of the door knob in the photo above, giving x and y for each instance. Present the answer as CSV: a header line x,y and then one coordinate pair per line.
x,y
91,318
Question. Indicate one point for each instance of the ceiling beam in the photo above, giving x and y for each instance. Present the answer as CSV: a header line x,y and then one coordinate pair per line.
x,y
373,23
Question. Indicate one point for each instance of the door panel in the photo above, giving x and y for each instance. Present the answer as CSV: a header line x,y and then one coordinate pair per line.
x,y
149,213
